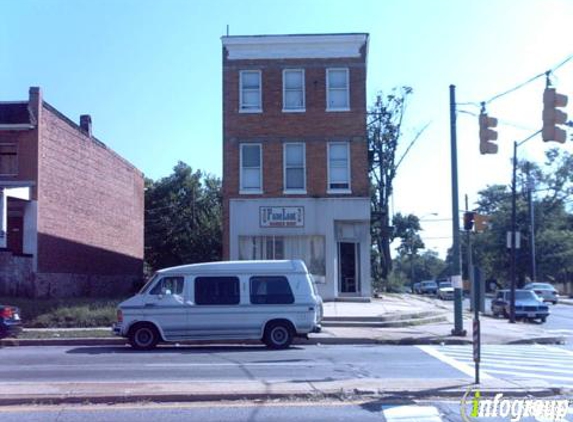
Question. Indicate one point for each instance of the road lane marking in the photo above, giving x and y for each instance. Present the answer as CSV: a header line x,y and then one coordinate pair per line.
x,y
460,366
412,414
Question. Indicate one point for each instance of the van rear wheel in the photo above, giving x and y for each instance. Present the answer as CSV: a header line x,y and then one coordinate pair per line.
x,y
278,335
143,337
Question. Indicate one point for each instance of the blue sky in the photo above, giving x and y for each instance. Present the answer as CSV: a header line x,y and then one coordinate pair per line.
x,y
149,73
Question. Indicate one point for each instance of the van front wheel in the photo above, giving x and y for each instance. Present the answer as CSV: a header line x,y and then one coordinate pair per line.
x,y
278,335
143,337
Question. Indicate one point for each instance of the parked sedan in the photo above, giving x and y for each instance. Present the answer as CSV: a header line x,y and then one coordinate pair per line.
x,y
428,287
527,305
445,290
10,323
545,291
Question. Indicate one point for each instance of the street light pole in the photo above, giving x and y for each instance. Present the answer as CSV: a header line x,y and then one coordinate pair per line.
x,y
513,233
456,247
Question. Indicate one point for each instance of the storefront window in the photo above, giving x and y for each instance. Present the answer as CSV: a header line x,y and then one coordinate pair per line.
x,y
311,249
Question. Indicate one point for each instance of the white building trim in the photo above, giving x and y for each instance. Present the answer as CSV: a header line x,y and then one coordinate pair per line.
x,y
294,46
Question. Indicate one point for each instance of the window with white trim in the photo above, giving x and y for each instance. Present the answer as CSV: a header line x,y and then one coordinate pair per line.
x,y
294,168
250,100
337,90
251,168
8,159
338,167
293,90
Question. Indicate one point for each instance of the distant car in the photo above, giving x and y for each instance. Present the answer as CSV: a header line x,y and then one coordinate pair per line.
x,y
10,323
527,305
428,287
545,291
445,290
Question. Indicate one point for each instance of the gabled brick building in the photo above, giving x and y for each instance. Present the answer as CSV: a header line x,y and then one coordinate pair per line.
x,y
71,209
295,155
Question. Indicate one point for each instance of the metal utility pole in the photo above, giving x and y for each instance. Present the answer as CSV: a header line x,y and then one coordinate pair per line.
x,y
513,233
530,187
456,249
514,228
470,258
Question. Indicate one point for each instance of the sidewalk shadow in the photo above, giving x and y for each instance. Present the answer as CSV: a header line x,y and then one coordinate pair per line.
x,y
406,397
184,349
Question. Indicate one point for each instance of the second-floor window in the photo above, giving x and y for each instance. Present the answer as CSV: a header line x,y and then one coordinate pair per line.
x,y
337,90
293,90
251,168
250,100
8,160
294,168
338,167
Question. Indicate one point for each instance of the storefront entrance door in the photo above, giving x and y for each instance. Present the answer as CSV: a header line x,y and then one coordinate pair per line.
x,y
348,267
16,234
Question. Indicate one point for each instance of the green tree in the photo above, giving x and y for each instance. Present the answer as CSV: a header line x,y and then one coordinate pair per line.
x,y
553,229
183,218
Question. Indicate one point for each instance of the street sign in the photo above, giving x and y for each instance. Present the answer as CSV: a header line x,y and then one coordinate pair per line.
x,y
517,240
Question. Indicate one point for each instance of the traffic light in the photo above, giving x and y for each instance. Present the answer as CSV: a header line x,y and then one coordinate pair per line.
x,y
486,134
552,116
468,220
481,222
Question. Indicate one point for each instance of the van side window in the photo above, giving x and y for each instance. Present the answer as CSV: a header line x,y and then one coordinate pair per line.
x,y
217,291
270,290
168,285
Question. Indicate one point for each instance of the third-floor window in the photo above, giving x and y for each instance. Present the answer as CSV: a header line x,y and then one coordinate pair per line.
x,y
250,100
293,90
337,90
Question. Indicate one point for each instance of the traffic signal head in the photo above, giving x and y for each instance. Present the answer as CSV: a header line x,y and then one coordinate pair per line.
x,y
486,134
468,220
481,222
552,116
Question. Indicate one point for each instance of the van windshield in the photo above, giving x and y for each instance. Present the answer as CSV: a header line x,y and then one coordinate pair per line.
x,y
148,283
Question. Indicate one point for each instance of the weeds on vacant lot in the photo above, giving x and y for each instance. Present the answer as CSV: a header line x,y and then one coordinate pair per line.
x,y
65,313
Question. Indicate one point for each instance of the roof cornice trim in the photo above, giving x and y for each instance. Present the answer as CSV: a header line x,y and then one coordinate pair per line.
x,y
295,46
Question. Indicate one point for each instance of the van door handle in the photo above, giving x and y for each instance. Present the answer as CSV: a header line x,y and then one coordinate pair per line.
x,y
147,305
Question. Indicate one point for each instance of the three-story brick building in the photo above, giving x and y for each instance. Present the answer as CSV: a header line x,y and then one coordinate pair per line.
x,y
295,155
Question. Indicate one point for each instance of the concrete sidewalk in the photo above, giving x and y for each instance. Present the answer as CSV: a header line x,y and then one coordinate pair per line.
x,y
118,392
393,319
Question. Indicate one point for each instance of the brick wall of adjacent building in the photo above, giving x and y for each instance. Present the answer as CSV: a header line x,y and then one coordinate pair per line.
x,y
90,219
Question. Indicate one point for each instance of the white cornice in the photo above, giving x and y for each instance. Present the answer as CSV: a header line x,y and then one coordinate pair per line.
x,y
16,126
294,46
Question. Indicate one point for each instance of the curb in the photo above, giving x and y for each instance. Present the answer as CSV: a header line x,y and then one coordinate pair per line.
x,y
404,341
382,395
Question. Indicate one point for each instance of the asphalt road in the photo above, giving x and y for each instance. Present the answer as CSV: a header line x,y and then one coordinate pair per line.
x,y
365,411
170,363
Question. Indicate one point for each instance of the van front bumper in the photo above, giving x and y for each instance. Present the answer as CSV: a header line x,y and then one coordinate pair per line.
x,y
317,328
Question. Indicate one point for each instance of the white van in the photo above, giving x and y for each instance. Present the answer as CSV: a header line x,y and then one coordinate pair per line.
x,y
271,301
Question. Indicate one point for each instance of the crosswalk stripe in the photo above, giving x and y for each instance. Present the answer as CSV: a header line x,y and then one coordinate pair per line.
x,y
460,366
412,414
524,361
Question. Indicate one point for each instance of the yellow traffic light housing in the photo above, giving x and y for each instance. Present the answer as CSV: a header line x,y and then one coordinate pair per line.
x,y
552,116
486,134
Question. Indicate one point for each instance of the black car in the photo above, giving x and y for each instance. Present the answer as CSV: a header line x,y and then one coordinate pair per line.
x,y
10,323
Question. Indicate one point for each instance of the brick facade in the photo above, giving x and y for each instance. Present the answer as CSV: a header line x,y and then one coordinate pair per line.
x,y
89,212
273,127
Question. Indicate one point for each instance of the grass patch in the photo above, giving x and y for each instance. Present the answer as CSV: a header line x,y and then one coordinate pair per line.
x,y
65,313
87,333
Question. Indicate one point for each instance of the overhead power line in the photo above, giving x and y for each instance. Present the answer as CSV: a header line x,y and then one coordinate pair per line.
x,y
521,85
